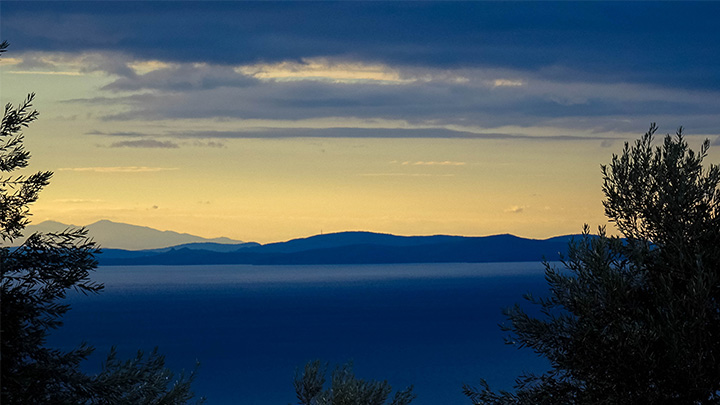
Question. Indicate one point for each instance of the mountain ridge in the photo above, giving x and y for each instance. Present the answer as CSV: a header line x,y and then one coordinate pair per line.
x,y
143,245
118,235
346,248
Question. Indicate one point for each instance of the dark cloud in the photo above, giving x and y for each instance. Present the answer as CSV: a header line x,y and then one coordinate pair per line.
x,y
588,66
582,106
119,133
607,143
136,99
209,144
181,78
145,143
279,133
152,141
664,43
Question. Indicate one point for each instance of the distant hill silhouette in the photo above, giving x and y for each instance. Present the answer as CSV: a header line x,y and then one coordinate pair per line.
x,y
130,245
352,248
125,236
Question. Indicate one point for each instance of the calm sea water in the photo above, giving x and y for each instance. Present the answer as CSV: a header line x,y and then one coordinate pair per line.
x,y
431,325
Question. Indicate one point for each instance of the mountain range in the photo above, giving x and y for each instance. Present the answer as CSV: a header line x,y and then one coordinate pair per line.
x,y
172,248
116,235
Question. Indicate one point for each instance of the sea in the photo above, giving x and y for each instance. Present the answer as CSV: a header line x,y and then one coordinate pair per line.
x,y
251,328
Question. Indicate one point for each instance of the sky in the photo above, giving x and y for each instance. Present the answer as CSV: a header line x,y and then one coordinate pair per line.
x,y
266,121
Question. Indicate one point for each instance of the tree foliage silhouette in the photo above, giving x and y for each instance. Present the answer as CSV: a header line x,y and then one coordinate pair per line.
x,y
345,388
633,319
36,277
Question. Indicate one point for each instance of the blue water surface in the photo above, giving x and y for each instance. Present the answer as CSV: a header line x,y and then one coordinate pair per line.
x,y
431,325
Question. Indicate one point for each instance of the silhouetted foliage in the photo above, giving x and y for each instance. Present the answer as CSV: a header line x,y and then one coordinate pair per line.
x,y
345,388
36,277
632,320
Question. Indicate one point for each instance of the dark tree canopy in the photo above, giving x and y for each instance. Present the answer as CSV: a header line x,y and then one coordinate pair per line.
x,y
345,388
633,319
35,278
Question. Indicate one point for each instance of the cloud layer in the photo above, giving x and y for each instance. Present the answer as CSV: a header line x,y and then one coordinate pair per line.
x,y
672,44
418,102
443,70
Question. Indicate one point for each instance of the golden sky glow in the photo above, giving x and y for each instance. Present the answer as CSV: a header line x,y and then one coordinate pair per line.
x,y
279,188
275,148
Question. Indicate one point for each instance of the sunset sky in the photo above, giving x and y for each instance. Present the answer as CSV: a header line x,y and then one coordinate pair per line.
x,y
266,121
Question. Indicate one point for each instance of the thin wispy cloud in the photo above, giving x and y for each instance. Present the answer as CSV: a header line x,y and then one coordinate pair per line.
x,y
406,175
209,144
38,72
180,77
507,83
323,70
515,209
142,67
118,169
145,143
78,200
433,163
5,61
347,71
372,132
117,133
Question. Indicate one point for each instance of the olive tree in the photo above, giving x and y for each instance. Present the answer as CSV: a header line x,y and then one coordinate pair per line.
x,y
345,388
634,318
35,277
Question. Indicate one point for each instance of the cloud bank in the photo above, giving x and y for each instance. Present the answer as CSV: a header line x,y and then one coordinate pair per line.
x,y
603,71
665,43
